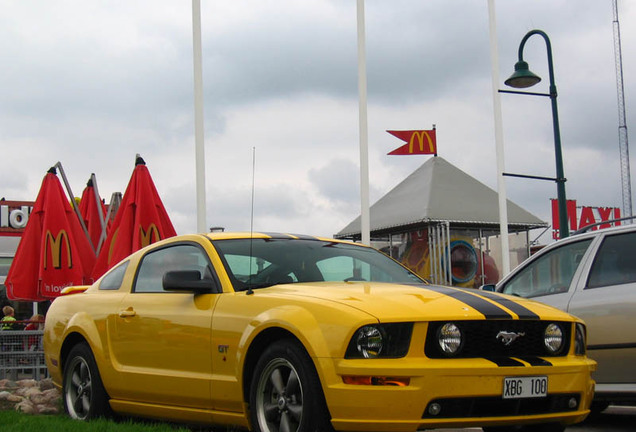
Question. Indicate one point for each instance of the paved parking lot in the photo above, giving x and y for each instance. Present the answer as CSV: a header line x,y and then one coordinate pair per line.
x,y
613,419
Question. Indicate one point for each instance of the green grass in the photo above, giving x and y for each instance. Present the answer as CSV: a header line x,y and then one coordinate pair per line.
x,y
13,421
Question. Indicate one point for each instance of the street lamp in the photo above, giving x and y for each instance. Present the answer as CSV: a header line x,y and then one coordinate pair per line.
x,y
523,78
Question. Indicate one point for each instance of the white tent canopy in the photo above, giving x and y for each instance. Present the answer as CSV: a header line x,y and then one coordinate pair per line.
x,y
438,191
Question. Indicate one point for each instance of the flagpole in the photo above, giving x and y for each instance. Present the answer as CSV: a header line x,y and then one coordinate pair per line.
x,y
365,229
58,165
198,116
102,220
499,147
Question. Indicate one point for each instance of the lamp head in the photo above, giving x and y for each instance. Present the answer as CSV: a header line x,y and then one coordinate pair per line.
x,y
522,77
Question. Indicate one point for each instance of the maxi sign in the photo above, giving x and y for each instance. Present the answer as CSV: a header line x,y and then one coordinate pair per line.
x,y
14,216
580,217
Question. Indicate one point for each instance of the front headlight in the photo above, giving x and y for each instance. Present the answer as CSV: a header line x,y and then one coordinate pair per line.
x,y
553,338
450,340
380,341
370,341
580,344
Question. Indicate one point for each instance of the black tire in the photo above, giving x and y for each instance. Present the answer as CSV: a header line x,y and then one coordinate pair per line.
x,y
285,393
83,393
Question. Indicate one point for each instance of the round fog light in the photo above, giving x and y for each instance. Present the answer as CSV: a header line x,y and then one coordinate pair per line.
x,y
434,409
572,403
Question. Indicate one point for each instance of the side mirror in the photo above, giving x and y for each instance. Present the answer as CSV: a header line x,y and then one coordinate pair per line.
x,y
187,280
488,287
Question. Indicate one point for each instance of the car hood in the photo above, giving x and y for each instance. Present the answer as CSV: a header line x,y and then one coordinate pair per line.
x,y
395,303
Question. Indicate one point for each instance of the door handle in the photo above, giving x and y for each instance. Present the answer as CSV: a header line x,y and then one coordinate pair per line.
x,y
127,313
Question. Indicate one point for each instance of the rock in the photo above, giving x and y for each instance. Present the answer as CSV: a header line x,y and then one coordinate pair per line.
x,y
30,396
46,384
14,398
27,407
38,398
52,394
27,383
6,384
47,409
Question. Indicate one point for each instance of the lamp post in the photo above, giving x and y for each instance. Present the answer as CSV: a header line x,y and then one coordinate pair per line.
x,y
523,78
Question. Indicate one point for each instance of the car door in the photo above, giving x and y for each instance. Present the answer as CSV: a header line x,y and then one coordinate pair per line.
x,y
606,301
552,275
161,341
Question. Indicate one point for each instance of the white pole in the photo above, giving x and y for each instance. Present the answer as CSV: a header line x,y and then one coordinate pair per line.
x,y
499,146
199,154
365,230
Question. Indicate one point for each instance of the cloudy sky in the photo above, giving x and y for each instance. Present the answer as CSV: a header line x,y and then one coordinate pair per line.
x,y
92,83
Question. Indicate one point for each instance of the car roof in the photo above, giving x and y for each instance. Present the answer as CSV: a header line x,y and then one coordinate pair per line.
x,y
589,230
272,235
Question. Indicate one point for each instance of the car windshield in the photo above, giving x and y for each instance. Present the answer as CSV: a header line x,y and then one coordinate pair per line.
x,y
258,263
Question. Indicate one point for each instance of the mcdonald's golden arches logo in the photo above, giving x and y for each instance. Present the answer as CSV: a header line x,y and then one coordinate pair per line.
x,y
148,235
53,246
419,142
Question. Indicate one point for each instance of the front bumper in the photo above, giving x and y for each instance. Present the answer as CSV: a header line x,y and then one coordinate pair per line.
x,y
468,391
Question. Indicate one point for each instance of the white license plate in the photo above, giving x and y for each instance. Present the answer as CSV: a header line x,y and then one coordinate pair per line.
x,y
525,387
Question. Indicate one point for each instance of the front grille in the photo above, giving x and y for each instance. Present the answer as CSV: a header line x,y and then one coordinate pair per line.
x,y
498,407
480,339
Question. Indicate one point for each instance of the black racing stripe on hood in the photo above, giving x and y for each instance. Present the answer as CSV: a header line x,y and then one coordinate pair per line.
x,y
535,361
523,312
489,310
505,361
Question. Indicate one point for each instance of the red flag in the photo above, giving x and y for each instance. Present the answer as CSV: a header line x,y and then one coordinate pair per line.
x,y
141,220
418,142
91,213
54,251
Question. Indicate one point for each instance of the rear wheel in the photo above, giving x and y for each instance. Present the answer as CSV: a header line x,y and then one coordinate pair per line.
x,y
285,394
83,392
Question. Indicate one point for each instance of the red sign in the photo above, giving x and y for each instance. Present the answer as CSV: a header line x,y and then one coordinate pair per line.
x,y
580,217
418,142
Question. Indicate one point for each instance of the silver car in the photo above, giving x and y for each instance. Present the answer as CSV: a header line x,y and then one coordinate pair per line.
x,y
591,275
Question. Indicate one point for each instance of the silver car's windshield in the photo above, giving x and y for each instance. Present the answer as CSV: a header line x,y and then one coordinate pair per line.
x,y
257,263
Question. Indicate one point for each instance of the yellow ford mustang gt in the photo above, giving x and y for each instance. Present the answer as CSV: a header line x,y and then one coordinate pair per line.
x,y
282,333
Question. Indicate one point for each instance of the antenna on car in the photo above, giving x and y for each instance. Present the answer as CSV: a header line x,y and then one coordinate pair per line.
x,y
249,286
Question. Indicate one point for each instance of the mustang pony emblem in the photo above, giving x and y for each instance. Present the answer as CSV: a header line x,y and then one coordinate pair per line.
x,y
508,337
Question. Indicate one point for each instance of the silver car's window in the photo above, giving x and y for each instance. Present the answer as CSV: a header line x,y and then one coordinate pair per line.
x,y
551,273
615,262
156,263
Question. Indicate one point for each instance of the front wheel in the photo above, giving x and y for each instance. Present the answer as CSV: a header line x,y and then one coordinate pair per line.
x,y
83,392
285,394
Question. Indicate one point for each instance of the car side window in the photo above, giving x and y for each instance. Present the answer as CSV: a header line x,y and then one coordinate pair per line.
x,y
615,262
551,273
114,278
179,257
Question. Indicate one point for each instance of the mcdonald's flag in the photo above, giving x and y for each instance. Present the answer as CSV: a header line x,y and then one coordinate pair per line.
x,y
54,251
141,220
417,142
92,214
